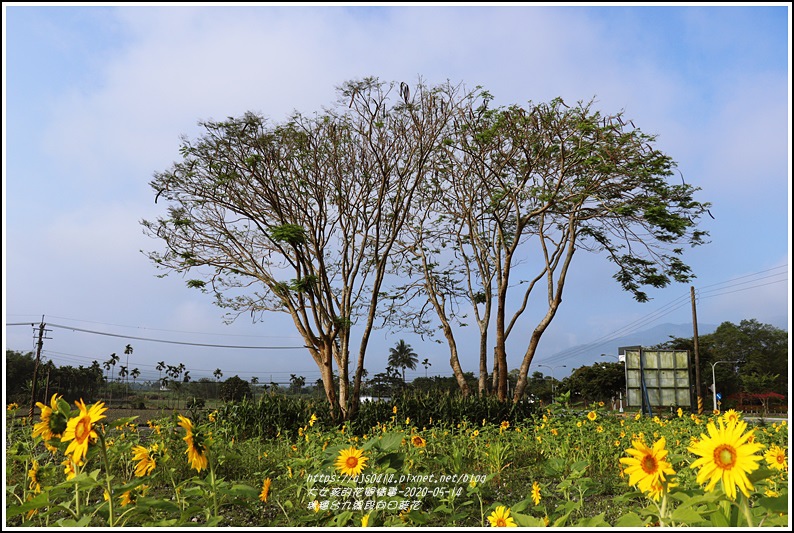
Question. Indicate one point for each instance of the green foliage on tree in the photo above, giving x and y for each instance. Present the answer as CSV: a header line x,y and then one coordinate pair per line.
x,y
600,382
73,383
234,389
761,349
402,356
18,373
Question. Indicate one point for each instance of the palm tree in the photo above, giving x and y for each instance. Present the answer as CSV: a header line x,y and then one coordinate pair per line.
x,y
123,374
127,352
113,360
135,373
160,368
254,382
218,375
402,356
111,364
426,364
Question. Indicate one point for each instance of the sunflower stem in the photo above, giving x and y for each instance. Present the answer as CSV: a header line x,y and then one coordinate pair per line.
x,y
744,505
106,462
663,510
212,484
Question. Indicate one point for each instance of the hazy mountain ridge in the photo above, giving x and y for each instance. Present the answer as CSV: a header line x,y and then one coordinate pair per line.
x,y
587,354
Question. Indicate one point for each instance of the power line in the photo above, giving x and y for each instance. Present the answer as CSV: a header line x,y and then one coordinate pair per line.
x,y
749,275
678,303
170,342
174,330
745,288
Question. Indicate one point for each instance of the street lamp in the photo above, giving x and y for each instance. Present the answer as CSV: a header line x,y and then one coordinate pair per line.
x,y
552,375
624,373
714,380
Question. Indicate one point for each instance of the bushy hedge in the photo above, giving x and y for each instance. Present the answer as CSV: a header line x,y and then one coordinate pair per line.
x,y
274,414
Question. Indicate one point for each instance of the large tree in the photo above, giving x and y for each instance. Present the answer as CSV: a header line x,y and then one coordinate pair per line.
x,y
530,186
301,217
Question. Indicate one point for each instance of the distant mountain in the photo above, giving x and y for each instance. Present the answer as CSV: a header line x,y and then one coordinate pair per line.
x,y
587,354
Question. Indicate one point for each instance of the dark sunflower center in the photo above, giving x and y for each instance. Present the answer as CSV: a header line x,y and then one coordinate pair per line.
x,y
352,462
649,465
57,424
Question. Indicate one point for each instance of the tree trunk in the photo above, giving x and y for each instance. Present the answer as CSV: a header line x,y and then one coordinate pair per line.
x,y
455,364
482,385
500,352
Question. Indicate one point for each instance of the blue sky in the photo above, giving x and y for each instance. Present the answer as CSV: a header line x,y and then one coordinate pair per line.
x,y
96,99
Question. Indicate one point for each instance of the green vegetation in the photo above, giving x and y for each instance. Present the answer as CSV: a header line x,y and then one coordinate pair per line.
x,y
227,467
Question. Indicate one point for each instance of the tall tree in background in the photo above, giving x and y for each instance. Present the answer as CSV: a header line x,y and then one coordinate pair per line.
x,y
762,350
302,217
127,351
402,356
160,367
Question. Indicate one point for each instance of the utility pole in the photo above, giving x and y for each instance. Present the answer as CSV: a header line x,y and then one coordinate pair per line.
x,y
697,350
39,345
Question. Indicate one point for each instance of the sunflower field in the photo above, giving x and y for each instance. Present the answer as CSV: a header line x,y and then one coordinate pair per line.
x,y
77,465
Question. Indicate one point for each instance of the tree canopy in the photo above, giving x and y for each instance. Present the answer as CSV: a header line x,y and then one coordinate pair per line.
x,y
761,349
413,205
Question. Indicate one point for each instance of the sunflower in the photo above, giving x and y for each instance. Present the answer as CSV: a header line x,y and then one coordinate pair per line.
x,y
13,406
53,422
648,466
312,420
365,520
69,468
350,461
730,417
33,475
418,441
501,518
146,462
196,449
126,498
265,490
535,492
727,455
591,416
776,458
80,429
504,425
